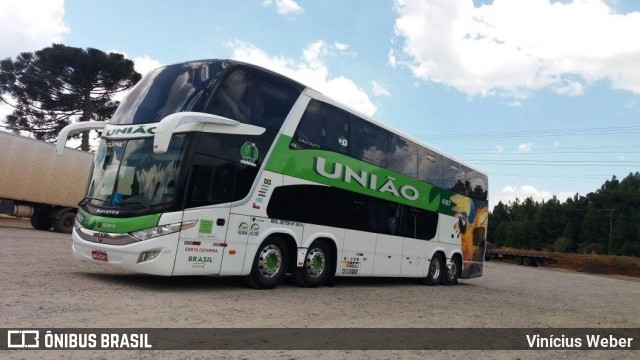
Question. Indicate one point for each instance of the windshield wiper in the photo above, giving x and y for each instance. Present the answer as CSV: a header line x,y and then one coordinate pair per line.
x,y
137,202
83,202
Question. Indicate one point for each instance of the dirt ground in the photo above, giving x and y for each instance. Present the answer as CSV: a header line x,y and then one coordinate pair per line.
x,y
593,264
42,286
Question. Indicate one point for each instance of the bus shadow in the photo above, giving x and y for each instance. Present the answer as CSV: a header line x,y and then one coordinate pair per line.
x,y
196,283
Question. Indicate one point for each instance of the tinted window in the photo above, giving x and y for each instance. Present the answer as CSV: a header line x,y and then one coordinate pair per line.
x,y
167,90
430,167
324,205
254,99
211,181
323,127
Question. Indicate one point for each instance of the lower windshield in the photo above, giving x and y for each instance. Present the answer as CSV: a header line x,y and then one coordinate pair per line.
x,y
128,174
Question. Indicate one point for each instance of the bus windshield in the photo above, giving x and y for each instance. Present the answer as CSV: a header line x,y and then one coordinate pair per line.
x,y
128,174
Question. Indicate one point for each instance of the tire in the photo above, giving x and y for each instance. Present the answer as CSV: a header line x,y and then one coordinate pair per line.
x,y
64,223
270,265
526,261
437,271
317,265
40,221
453,272
518,260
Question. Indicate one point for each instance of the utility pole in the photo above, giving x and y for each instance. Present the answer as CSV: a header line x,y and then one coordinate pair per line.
x,y
610,230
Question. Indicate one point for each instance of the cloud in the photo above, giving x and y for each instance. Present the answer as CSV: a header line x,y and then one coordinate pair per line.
x,y
510,192
310,70
340,46
284,7
379,90
510,48
144,64
525,147
30,25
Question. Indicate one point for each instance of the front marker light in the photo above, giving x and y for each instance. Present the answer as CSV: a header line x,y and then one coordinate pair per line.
x,y
162,230
148,255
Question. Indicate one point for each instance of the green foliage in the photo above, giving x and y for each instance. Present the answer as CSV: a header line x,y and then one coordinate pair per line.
x,y
58,85
606,221
562,244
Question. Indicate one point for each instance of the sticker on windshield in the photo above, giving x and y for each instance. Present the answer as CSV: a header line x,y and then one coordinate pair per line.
x,y
249,153
117,199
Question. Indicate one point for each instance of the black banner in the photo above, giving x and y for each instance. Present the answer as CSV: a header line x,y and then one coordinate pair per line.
x,y
321,339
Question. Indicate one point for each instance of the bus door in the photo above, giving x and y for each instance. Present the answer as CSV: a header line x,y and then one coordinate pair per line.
x,y
209,193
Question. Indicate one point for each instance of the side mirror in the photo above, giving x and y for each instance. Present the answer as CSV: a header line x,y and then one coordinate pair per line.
x,y
75,128
170,124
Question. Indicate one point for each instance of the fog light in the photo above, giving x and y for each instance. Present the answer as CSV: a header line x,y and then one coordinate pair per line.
x,y
148,255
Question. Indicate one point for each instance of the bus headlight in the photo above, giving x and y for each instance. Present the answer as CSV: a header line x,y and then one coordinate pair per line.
x,y
162,230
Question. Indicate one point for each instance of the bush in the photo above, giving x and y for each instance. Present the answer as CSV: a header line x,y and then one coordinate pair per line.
x,y
562,244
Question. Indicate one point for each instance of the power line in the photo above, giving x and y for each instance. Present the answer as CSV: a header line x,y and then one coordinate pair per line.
x,y
534,133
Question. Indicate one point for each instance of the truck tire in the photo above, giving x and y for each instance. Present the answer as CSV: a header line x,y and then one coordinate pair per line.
x,y
64,222
40,221
526,261
518,260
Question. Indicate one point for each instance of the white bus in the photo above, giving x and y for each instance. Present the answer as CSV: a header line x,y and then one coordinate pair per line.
x,y
218,167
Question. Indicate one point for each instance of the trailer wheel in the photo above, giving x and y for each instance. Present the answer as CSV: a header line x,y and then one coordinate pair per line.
x,y
317,265
270,265
526,261
40,221
534,262
518,260
437,270
64,222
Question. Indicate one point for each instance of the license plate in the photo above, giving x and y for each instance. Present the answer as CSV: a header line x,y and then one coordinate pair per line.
x,y
99,255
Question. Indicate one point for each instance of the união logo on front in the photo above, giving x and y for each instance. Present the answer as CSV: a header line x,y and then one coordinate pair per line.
x,y
132,130
249,153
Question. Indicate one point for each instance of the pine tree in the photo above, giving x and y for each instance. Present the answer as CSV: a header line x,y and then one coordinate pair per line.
x,y
58,85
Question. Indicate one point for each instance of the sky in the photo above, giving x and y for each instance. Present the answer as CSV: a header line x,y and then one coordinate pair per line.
x,y
542,95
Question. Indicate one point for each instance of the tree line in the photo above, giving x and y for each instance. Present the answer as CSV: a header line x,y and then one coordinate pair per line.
x,y
606,221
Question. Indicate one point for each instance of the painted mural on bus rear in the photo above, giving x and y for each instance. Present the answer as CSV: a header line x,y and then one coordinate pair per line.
x,y
218,167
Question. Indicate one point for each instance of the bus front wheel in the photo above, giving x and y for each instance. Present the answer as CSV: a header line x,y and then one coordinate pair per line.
x,y
270,265
317,265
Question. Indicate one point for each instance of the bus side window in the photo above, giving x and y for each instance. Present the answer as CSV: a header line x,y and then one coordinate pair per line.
x,y
337,126
211,181
310,133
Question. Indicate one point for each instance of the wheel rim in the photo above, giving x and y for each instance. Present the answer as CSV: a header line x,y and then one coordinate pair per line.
x,y
453,270
270,261
434,268
315,262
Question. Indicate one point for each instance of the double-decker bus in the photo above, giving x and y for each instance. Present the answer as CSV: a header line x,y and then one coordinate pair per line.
x,y
218,167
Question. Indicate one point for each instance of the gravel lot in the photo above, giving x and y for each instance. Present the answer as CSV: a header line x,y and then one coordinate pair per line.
x,y
43,286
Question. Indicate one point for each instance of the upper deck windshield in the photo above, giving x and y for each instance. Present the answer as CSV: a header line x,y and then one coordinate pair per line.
x,y
128,175
167,90
220,87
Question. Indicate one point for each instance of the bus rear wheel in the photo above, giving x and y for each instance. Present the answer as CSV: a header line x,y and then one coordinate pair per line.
x,y
317,265
437,270
270,265
453,272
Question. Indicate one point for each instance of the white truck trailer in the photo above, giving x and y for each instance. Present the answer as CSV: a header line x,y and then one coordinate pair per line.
x,y
37,183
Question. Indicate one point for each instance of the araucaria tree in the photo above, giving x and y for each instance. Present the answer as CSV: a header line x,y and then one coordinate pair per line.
x,y
58,85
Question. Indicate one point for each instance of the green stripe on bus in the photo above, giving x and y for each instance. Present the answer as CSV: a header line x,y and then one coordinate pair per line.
x,y
341,171
117,225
